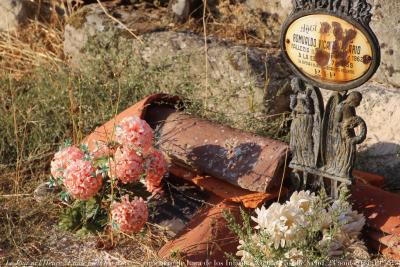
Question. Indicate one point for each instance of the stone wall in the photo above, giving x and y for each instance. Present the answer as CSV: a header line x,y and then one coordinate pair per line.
x,y
240,79
14,13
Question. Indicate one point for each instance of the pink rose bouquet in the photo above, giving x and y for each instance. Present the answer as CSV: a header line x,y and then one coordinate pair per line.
x,y
97,179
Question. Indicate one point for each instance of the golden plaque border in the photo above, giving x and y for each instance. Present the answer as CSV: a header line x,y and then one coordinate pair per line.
x,y
361,25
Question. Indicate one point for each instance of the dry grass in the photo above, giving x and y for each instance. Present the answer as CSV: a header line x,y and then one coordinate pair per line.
x,y
32,125
31,236
35,45
38,43
41,104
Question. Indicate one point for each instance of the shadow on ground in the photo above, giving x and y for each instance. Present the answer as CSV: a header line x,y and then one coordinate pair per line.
x,y
384,159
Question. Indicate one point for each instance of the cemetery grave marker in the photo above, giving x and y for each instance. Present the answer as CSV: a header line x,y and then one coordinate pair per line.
x,y
329,45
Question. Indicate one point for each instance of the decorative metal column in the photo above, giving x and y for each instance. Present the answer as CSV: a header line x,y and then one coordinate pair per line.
x,y
328,44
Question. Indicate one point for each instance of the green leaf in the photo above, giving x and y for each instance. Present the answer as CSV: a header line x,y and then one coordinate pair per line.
x,y
84,231
101,162
87,157
233,226
60,180
84,217
67,143
84,148
64,196
52,182
70,218
91,208
246,222
114,225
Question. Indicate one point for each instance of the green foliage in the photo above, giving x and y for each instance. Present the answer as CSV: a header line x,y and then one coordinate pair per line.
x,y
54,182
84,217
234,226
102,164
175,254
67,143
64,196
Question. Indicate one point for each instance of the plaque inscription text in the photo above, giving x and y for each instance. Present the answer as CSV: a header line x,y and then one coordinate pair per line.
x,y
328,49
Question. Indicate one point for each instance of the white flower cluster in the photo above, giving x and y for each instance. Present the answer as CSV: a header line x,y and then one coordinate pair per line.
x,y
288,225
351,224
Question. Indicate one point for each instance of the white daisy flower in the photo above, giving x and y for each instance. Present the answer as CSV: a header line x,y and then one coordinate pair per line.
x,y
303,200
283,223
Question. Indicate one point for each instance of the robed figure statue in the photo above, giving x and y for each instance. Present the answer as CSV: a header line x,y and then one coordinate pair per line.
x,y
339,136
323,142
307,109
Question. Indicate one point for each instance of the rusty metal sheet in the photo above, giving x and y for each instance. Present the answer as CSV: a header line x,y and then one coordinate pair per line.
x,y
243,159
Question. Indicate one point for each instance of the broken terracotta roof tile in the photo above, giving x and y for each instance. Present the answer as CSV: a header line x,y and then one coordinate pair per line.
x,y
226,190
380,207
207,238
384,240
243,159
369,178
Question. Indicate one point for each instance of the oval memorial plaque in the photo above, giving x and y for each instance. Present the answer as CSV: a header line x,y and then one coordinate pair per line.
x,y
329,51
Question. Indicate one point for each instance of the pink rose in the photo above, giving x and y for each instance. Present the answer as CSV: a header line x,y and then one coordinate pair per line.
x,y
135,133
63,159
129,216
81,180
127,165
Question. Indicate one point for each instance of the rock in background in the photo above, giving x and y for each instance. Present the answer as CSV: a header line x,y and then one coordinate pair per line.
x,y
14,13
380,153
235,79
386,25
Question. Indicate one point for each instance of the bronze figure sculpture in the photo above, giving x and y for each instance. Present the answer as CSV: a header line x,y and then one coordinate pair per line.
x,y
302,125
323,142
